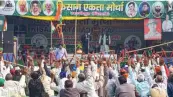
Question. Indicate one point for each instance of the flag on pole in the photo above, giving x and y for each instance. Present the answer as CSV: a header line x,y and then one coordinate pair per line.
x,y
59,9
5,25
52,27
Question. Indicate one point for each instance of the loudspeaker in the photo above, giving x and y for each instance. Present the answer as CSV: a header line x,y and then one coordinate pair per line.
x,y
8,42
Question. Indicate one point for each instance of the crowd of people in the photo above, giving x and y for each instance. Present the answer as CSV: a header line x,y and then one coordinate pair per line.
x,y
91,76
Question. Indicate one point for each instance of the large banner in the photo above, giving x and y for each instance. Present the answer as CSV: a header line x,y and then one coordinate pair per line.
x,y
113,9
95,9
28,7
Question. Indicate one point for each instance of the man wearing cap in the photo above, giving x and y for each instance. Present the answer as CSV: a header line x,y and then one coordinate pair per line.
x,y
158,9
48,8
153,33
3,92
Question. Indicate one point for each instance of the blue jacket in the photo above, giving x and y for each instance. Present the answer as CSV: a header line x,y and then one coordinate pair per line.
x,y
170,89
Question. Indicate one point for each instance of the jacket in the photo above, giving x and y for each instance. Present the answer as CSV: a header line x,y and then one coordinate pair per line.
x,y
36,88
125,90
170,89
70,92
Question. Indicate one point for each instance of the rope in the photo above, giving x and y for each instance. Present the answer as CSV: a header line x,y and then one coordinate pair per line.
x,y
151,47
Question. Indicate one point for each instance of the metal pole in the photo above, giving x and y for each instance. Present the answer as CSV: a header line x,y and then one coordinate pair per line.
x,y
88,42
51,38
76,30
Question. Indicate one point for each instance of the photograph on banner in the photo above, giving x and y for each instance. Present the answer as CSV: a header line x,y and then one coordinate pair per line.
x,y
131,9
48,7
132,42
167,25
39,40
144,9
158,9
8,7
35,7
22,7
170,6
152,29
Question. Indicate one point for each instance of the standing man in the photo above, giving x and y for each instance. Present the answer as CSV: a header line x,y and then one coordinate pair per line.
x,y
85,42
104,41
125,89
61,53
167,25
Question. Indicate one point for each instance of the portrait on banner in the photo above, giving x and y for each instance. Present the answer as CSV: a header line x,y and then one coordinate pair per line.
x,y
167,25
48,7
152,29
157,9
35,7
144,9
131,9
132,42
22,7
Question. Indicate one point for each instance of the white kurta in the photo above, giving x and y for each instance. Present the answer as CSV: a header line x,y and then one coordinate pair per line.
x,y
61,53
88,85
104,47
167,26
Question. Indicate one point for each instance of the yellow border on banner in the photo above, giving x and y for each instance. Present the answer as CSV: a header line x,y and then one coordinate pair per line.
x,y
52,18
100,18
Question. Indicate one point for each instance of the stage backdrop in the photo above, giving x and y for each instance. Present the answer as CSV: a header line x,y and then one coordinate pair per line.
x,y
129,33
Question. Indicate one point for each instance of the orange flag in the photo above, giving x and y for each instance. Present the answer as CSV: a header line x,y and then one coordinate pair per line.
x,y
5,25
59,9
